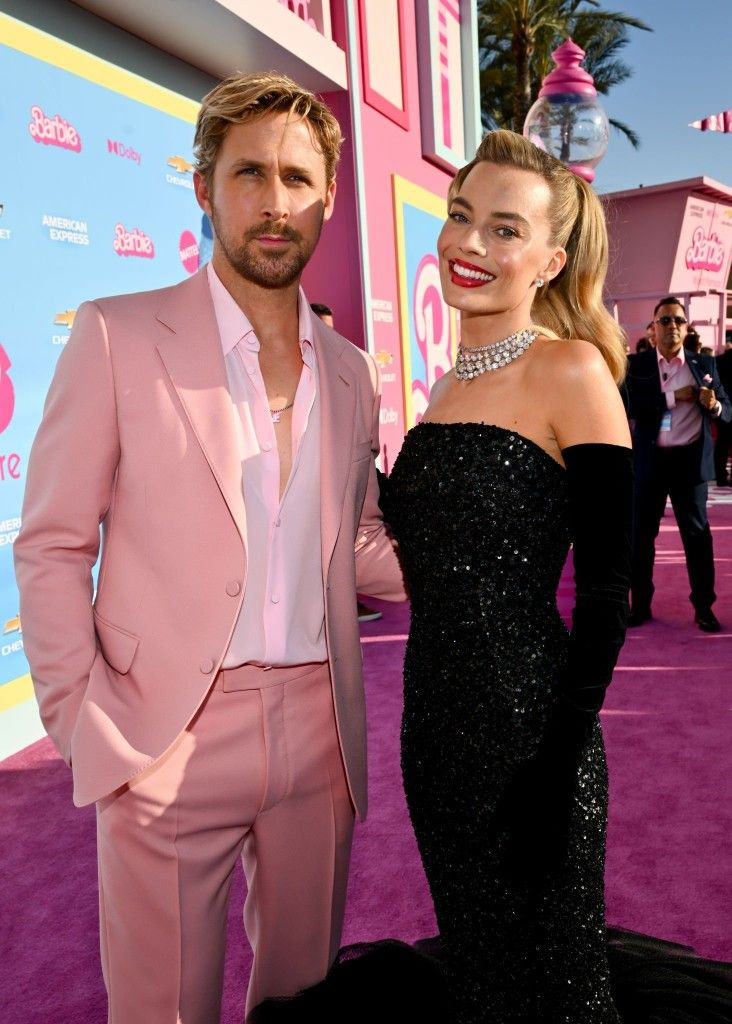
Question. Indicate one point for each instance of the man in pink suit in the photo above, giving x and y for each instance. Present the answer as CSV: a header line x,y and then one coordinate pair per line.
x,y
209,698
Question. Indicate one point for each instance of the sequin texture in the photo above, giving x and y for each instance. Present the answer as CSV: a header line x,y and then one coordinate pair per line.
x,y
481,516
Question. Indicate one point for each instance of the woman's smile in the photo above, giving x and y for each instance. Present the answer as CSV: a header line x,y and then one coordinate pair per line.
x,y
467,275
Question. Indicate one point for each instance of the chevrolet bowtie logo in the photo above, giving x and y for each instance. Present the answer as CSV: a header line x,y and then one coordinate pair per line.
x,y
12,626
65,319
179,164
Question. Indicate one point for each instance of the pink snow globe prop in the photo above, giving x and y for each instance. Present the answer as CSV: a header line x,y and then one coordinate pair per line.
x,y
567,119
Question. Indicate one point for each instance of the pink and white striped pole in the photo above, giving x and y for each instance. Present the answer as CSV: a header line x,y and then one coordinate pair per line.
x,y
721,122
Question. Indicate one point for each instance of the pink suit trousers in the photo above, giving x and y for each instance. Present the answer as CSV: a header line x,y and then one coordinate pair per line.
x,y
258,774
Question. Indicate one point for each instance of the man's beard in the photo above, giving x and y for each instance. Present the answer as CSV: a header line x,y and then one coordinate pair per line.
x,y
268,270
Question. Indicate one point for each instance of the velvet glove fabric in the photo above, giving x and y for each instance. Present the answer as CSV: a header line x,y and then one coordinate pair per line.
x,y
600,486
537,804
383,481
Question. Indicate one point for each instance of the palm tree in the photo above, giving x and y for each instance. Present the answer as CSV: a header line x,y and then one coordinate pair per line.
x,y
516,39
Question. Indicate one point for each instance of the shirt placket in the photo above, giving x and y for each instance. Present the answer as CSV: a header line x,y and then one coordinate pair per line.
x,y
270,477
671,372
302,405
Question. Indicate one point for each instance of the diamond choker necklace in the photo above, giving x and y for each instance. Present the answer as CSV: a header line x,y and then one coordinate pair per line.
x,y
471,362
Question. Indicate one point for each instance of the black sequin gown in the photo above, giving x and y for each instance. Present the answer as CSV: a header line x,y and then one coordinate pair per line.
x,y
506,784
481,517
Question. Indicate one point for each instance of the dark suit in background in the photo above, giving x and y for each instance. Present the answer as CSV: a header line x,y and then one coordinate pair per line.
x,y
679,472
724,430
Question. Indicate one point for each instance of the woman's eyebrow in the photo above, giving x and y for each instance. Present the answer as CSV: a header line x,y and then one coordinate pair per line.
x,y
496,214
508,215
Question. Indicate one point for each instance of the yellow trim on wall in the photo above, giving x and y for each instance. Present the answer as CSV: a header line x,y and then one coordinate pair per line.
x,y
45,47
17,691
407,192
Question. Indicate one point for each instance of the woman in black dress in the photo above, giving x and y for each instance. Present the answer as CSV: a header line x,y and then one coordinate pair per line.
x,y
524,449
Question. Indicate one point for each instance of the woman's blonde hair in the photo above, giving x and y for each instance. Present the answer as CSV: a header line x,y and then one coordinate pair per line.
x,y
569,306
239,98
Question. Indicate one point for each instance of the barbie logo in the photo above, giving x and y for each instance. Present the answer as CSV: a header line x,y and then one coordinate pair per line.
x,y
705,253
132,243
7,391
54,131
432,328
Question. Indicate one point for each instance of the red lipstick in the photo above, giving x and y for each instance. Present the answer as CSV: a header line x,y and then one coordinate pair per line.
x,y
468,275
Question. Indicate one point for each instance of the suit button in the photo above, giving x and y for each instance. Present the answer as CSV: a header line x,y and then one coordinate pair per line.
x,y
207,666
233,588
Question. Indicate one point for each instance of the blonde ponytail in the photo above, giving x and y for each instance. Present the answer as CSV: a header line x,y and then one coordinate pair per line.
x,y
571,305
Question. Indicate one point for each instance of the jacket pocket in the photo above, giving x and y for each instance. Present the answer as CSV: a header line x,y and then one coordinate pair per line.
x,y
117,645
361,450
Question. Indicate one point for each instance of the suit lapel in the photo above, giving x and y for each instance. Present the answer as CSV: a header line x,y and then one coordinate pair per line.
x,y
337,411
696,369
653,368
692,362
194,362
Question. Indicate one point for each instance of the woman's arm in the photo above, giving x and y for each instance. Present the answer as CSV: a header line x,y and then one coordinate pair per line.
x,y
599,478
591,428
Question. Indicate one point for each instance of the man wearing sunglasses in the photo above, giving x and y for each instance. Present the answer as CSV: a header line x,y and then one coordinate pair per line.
x,y
673,397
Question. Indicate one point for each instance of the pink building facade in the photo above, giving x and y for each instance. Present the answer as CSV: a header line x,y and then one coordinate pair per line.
x,y
672,239
411,117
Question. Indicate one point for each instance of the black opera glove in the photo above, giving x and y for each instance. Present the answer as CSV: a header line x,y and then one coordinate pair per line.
x,y
383,499
538,801
600,486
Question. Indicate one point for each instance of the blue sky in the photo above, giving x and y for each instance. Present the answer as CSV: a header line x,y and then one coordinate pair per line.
x,y
682,71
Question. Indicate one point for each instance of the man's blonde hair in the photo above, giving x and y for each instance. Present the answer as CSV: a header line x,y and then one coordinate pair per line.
x,y
239,99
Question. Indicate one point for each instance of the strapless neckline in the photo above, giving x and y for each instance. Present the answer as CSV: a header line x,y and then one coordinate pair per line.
x,y
492,427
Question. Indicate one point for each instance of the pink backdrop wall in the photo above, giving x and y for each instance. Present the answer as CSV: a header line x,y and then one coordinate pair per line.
x,y
388,149
333,275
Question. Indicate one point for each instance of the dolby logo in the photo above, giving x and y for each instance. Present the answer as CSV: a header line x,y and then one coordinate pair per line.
x,y
121,150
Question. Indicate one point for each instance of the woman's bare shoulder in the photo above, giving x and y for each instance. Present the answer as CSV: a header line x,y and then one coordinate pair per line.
x,y
570,360
440,384
582,400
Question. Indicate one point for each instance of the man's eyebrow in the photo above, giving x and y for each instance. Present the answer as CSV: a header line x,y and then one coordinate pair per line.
x,y
259,166
295,169
244,161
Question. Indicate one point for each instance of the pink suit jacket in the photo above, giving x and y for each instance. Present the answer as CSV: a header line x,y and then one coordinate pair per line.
x,y
138,436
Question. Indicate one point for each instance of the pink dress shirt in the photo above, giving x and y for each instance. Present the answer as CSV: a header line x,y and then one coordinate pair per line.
x,y
686,417
282,617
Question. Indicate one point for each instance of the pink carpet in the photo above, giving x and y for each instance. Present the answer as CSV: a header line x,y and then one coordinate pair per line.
x,y
668,872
